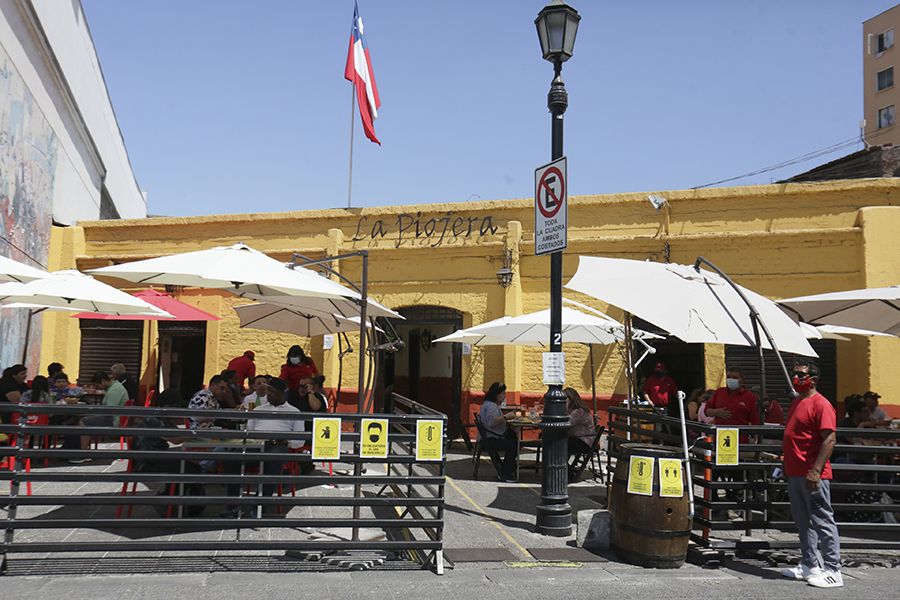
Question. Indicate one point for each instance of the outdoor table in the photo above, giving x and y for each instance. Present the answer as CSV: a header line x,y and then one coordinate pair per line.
x,y
520,425
225,443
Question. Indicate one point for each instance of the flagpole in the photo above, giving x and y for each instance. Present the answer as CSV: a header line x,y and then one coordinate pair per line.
x,y
352,117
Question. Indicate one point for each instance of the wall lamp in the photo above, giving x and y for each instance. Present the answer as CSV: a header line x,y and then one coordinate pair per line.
x,y
505,273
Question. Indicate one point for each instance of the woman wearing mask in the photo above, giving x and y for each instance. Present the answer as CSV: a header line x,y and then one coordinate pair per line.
x,y
297,366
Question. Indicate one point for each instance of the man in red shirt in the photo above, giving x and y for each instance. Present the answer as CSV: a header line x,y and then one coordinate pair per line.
x,y
733,404
809,439
660,389
244,367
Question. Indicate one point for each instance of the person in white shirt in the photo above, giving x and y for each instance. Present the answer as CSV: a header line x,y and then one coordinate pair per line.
x,y
276,395
259,396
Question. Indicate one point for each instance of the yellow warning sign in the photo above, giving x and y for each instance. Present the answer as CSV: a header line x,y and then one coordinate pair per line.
x,y
640,475
429,440
373,438
326,444
727,446
671,482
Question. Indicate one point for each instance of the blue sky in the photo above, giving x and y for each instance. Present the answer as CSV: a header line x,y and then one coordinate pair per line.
x,y
231,106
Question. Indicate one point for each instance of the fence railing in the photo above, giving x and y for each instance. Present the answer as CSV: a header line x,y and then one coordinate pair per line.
x,y
153,484
752,494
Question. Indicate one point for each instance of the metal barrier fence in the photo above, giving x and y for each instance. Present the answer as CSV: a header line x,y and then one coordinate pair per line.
x,y
136,496
865,489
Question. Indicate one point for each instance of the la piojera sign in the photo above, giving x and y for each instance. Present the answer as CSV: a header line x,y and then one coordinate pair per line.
x,y
407,228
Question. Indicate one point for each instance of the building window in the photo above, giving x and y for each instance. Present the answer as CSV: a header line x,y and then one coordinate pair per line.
x,y
885,79
885,40
886,116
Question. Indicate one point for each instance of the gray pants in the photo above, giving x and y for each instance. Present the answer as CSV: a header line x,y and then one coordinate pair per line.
x,y
819,542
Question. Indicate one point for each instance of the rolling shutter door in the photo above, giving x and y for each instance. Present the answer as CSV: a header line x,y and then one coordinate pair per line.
x,y
747,360
104,343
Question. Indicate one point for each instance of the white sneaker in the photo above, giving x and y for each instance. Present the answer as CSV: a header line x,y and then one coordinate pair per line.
x,y
826,579
801,572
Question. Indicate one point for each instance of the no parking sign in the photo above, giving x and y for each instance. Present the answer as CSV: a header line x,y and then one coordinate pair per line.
x,y
551,211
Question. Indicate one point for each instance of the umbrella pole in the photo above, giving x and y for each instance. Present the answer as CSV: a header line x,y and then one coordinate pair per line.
x,y
629,370
754,317
27,336
687,461
593,381
361,392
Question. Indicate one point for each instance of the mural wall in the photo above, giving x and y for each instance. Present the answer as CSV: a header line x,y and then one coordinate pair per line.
x,y
28,155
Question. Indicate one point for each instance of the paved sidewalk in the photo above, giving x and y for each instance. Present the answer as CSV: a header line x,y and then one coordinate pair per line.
x,y
480,515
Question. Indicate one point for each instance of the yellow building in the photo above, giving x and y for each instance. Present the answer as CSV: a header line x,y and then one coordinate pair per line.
x,y
437,265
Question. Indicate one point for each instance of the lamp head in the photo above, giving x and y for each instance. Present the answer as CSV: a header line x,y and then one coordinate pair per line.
x,y
557,25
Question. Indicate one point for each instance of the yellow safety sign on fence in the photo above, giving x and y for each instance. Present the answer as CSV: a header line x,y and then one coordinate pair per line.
x,y
429,440
727,446
326,443
671,482
373,438
640,475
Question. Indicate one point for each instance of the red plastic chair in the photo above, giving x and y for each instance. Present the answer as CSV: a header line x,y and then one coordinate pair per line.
x,y
13,440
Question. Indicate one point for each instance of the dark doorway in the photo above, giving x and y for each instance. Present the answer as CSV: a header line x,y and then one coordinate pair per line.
x,y
686,363
428,373
182,356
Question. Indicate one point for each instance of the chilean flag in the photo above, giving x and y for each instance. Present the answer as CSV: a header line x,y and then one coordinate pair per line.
x,y
359,72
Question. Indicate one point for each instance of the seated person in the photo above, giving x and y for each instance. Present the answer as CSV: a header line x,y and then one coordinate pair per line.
x,y
276,393
857,417
120,374
115,395
499,436
170,398
235,392
877,416
581,425
39,392
259,396
62,391
216,396
54,368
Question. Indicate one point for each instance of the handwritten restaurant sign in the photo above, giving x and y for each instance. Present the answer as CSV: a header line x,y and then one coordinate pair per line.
x,y
435,231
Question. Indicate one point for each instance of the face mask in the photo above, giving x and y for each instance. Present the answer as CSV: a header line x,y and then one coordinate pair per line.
x,y
295,360
733,384
801,385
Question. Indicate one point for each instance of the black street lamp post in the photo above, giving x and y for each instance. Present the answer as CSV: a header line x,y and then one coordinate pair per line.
x,y
557,24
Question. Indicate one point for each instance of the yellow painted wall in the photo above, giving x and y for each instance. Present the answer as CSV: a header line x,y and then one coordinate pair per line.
x,y
781,240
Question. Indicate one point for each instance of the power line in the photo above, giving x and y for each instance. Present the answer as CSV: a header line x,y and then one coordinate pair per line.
x,y
791,161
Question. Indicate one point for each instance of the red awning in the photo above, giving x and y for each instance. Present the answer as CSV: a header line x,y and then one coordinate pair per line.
x,y
176,308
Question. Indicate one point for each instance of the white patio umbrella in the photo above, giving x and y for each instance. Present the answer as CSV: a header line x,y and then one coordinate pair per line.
x,y
874,309
272,317
13,270
244,272
836,332
694,305
73,291
533,329
814,333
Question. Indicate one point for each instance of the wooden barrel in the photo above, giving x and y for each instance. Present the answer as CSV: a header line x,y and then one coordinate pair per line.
x,y
648,530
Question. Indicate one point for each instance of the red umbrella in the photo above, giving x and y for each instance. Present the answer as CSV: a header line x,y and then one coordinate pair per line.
x,y
176,308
